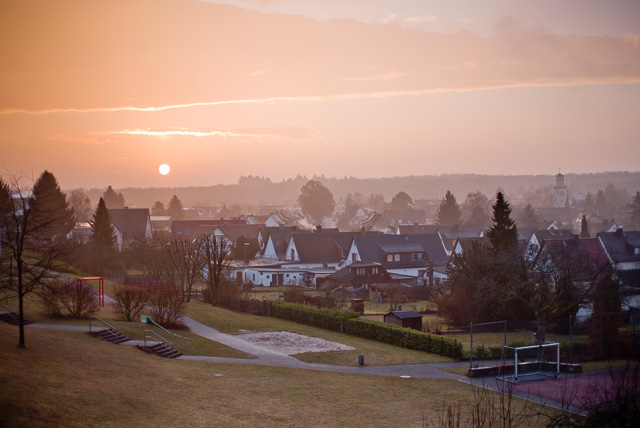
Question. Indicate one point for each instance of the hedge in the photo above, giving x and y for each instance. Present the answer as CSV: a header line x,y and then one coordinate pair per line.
x,y
349,322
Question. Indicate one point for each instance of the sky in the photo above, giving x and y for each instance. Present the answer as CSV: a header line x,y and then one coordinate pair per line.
x,y
103,92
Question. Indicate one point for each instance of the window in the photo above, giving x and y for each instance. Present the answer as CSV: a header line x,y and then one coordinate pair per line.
x,y
354,257
396,257
360,271
374,271
420,256
636,251
389,257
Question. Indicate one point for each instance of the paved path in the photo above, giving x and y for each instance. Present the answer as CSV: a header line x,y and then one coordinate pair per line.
x,y
268,357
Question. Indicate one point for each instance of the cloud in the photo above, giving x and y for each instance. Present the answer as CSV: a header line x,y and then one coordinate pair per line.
x,y
291,134
390,18
420,19
209,57
89,139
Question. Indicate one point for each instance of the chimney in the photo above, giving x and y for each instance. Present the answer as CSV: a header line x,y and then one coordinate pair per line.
x,y
318,228
246,253
619,231
363,231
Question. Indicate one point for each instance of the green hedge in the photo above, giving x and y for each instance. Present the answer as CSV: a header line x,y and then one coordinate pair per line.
x,y
349,322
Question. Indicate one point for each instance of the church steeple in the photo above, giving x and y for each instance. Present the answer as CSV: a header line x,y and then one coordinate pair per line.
x,y
560,191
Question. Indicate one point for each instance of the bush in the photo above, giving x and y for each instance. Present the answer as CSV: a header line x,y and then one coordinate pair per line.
x,y
67,298
166,305
131,300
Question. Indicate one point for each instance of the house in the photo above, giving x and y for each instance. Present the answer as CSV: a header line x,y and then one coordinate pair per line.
x,y
323,248
623,250
577,199
534,243
449,234
374,222
276,242
161,223
405,255
583,259
464,244
275,275
408,319
130,224
189,229
398,217
357,276
412,229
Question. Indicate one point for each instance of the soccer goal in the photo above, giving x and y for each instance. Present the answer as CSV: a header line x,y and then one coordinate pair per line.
x,y
530,363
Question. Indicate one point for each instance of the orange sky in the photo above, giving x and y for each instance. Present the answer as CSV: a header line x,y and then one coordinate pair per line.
x,y
102,92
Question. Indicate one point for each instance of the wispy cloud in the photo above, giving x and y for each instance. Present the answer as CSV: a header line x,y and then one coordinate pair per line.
x,y
420,19
282,134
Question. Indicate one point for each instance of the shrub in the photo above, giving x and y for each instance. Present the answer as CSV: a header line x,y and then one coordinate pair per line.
x,y
67,298
166,305
131,300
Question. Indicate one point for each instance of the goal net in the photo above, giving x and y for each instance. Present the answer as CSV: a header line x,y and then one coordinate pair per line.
x,y
530,363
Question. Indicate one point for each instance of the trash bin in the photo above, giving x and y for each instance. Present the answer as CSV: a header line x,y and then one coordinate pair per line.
x,y
361,360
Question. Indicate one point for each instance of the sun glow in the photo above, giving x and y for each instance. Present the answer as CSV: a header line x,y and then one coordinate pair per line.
x,y
164,169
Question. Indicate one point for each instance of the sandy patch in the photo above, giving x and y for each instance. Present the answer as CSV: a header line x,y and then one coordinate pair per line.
x,y
292,343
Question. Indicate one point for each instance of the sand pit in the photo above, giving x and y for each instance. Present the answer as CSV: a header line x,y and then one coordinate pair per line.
x,y
290,343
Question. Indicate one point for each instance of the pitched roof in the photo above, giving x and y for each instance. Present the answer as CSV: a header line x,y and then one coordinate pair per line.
x,y
322,247
620,245
132,222
280,239
404,314
587,253
411,229
547,234
235,231
370,246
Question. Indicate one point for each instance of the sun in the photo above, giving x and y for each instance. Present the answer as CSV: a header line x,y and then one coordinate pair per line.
x,y
164,169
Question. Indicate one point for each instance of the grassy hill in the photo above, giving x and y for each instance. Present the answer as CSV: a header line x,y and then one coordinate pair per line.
x,y
69,378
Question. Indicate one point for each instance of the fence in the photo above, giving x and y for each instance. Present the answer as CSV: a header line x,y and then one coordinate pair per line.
x,y
581,338
349,323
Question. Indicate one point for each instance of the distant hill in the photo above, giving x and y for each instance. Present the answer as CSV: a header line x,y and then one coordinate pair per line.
x,y
254,191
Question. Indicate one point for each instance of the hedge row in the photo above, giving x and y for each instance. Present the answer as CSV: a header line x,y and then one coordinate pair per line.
x,y
349,322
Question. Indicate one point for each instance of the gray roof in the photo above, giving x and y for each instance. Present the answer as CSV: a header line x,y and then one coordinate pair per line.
x,y
620,245
132,222
370,246
405,314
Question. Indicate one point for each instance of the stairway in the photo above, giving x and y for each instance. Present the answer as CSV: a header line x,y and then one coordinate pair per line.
x,y
12,318
112,335
163,350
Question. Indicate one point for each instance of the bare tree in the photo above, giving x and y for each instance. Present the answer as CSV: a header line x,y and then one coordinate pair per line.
x,y
184,260
217,265
28,250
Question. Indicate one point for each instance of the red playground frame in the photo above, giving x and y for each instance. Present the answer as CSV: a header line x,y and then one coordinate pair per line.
x,y
100,287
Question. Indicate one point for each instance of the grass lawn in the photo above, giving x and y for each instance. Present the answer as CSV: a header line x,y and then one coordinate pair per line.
x,y
71,379
375,353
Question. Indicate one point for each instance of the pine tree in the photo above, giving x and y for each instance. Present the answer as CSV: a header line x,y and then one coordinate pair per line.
x,y
529,217
103,237
503,235
449,212
584,227
175,209
112,199
51,205
158,209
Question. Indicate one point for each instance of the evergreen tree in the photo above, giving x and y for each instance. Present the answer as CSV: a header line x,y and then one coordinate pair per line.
x,y
479,218
51,204
584,227
175,208
449,212
158,209
401,201
529,217
103,237
112,199
503,235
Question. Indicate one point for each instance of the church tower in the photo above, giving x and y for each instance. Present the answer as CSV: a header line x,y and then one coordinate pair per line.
x,y
560,192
